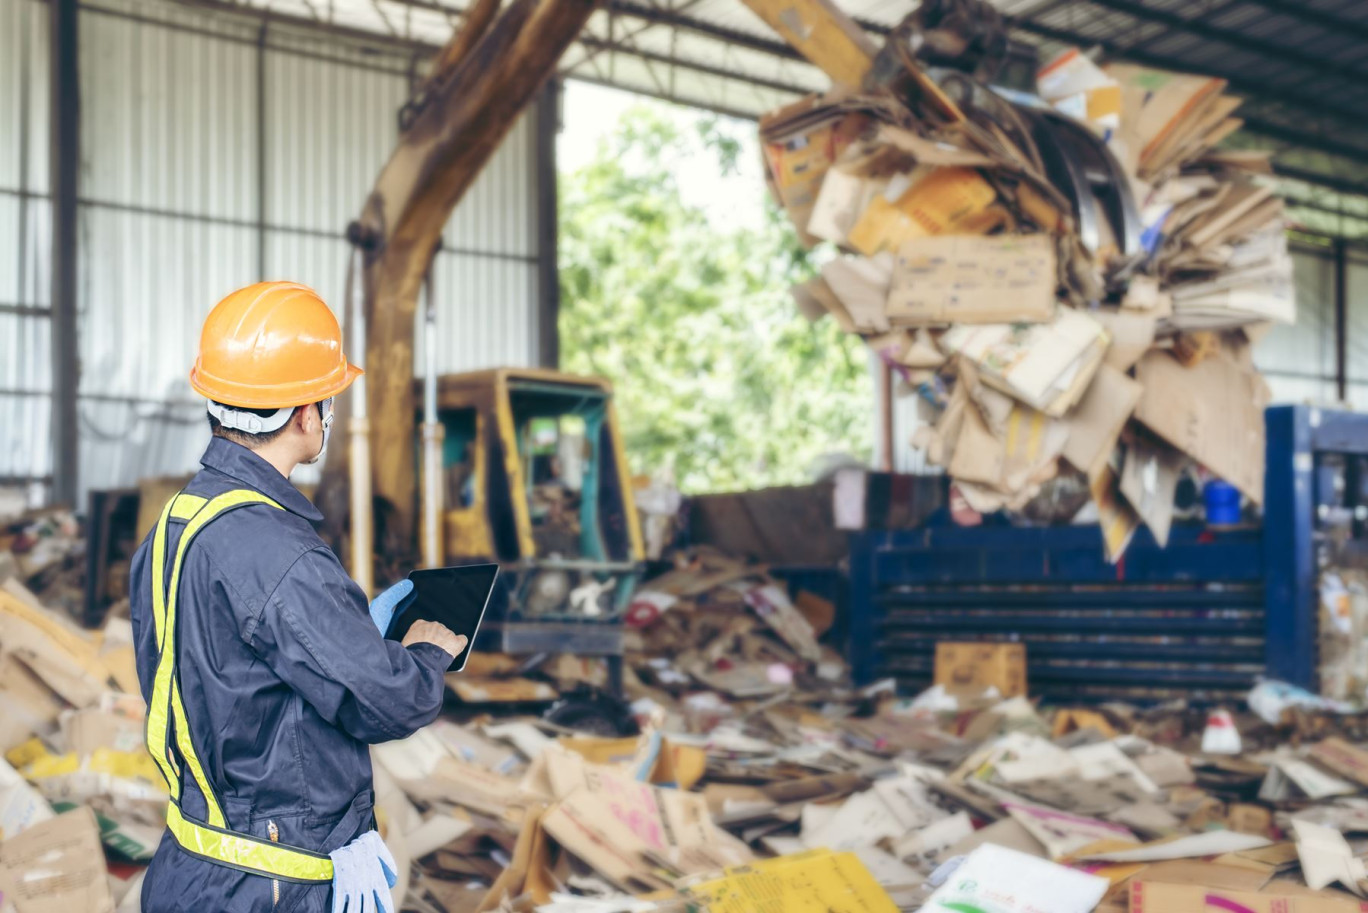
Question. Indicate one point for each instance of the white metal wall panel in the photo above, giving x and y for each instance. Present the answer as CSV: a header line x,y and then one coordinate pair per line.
x,y
486,275
23,94
1299,360
318,262
498,213
25,263
24,226
329,129
167,119
486,312
147,283
25,401
1356,290
25,378
175,150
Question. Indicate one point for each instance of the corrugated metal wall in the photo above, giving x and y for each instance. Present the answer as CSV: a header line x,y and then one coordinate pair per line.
x,y
24,211
1299,361
215,152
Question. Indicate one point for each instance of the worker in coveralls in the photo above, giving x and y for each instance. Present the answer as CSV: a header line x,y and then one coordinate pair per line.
x,y
264,670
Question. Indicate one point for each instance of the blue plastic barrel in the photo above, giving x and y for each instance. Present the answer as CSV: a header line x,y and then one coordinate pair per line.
x,y
1222,503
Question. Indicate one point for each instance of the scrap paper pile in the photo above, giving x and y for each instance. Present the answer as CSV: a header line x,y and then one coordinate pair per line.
x,y
1098,329
812,795
45,551
952,801
75,774
723,625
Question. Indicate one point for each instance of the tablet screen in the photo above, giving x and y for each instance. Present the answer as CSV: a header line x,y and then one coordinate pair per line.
x,y
452,596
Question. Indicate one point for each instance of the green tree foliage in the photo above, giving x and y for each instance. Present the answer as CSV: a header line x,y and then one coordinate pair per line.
x,y
716,375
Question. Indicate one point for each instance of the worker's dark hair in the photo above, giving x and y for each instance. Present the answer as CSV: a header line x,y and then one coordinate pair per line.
x,y
252,441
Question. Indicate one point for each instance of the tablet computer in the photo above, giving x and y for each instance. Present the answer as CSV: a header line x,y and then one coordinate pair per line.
x,y
452,596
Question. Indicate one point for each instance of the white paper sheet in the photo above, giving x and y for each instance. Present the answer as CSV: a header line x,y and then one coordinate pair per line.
x,y
998,880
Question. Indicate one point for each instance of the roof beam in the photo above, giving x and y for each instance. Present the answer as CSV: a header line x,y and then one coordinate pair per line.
x,y
1303,12
1299,203
675,19
779,49
702,105
1276,52
598,44
1332,182
1300,139
1254,125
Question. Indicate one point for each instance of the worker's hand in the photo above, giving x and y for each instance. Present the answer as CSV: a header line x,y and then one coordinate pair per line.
x,y
430,632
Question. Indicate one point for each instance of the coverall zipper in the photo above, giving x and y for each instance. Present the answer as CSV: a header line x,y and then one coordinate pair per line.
x,y
274,833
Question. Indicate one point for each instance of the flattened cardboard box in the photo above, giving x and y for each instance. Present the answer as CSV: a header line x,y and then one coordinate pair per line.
x,y
1047,366
1097,422
818,881
972,279
57,867
1344,759
981,665
1155,897
928,202
799,156
1149,480
1212,411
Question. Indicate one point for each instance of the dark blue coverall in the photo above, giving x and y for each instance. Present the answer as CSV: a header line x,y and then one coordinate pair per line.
x,y
285,682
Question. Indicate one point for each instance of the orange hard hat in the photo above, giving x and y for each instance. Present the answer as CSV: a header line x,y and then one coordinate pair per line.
x,y
271,345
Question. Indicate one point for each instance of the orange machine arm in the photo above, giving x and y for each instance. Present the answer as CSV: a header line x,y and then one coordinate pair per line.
x,y
482,81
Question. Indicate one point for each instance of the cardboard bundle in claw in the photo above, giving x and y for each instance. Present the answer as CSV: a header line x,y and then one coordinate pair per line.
x,y
1094,330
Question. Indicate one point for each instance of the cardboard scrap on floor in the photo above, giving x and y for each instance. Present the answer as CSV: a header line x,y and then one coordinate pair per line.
x,y
809,793
813,882
56,866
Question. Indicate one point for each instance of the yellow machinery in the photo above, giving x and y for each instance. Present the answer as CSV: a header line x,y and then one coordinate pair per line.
x,y
534,476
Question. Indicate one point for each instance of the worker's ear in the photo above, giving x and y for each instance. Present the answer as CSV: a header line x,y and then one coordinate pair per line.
x,y
306,419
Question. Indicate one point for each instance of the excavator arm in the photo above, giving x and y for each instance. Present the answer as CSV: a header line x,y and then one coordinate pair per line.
x,y
481,82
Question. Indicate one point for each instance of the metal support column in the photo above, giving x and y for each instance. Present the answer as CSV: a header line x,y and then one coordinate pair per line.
x,y
1291,598
1341,321
887,422
863,651
548,119
65,126
261,152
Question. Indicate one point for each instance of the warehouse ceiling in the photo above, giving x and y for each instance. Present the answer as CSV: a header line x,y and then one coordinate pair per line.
x,y
1299,64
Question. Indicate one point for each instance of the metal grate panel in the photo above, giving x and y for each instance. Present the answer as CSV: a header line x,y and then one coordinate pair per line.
x,y
1186,621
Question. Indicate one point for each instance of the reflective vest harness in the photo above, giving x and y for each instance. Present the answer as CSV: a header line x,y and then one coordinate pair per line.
x,y
210,840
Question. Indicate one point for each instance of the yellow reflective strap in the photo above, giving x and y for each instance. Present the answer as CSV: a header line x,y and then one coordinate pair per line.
x,y
159,572
165,691
187,750
273,860
184,506
154,731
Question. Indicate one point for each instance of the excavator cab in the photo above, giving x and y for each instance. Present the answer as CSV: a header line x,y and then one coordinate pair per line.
x,y
535,478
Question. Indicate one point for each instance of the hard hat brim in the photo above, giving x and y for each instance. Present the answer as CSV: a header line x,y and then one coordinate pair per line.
x,y
272,396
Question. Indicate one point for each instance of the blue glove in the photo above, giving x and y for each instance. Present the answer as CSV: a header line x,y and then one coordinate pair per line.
x,y
363,873
383,608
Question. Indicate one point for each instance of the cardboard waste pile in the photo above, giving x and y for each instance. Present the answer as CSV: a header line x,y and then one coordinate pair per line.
x,y
1108,338
749,788
724,626
75,776
957,800
45,550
